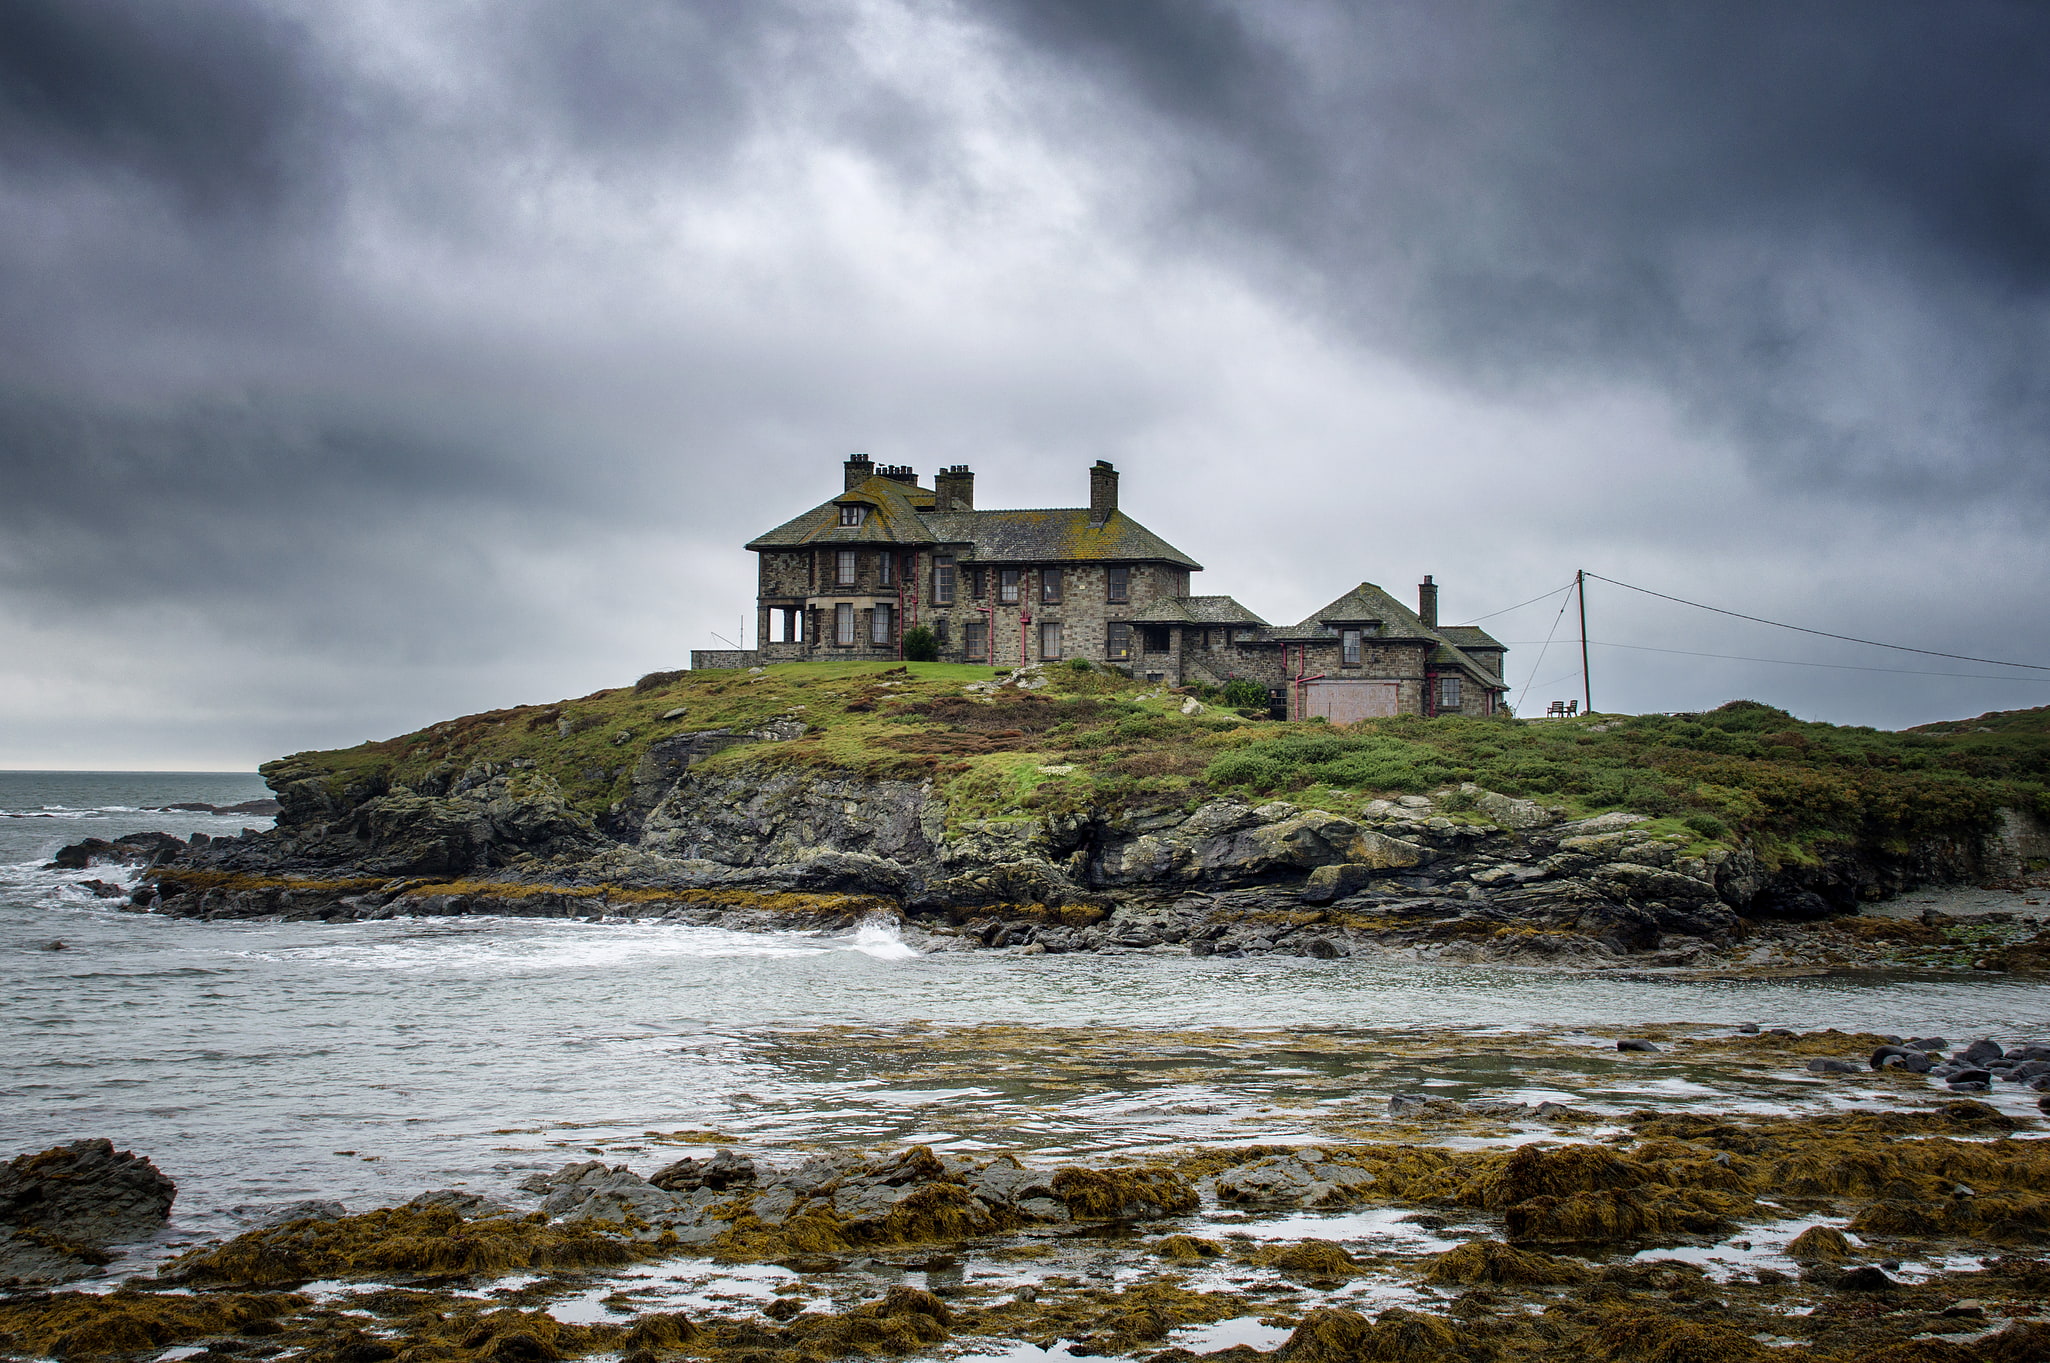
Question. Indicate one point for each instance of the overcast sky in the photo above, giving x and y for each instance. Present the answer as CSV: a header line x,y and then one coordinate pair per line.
x,y
365,364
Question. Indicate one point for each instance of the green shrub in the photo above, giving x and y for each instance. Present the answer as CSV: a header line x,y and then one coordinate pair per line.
x,y
1245,695
920,645
1079,665
1708,826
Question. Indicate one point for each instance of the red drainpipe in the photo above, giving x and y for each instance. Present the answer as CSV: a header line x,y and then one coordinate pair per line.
x,y
1024,626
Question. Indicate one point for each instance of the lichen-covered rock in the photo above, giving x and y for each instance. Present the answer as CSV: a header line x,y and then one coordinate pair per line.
x,y
1303,1179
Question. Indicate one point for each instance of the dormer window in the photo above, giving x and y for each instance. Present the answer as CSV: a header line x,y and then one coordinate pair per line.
x,y
852,513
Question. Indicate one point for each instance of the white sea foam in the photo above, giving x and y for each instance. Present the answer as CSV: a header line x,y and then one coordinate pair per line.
x,y
880,938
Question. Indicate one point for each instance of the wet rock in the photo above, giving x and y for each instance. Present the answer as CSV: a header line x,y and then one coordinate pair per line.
x,y
1974,1080
1826,1065
58,1209
311,1209
1749,1029
130,849
1865,1278
85,1191
1981,1051
1303,1179
1634,1044
723,1170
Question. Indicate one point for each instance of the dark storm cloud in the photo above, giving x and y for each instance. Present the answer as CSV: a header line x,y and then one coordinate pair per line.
x,y
1775,212
204,99
371,339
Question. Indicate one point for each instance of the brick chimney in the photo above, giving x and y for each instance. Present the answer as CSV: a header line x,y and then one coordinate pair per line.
x,y
899,473
954,489
860,468
1103,491
1427,601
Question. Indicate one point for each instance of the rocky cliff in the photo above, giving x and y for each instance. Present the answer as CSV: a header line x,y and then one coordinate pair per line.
x,y
722,824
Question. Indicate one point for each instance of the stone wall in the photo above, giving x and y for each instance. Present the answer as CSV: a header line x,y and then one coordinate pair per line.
x,y
704,659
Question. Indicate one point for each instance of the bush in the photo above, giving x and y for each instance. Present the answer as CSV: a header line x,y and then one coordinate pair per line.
x,y
1707,825
1245,695
655,681
920,646
1079,665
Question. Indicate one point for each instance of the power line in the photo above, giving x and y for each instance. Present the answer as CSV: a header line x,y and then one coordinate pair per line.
x,y
1541,654
1823,633
1789,662
1506,609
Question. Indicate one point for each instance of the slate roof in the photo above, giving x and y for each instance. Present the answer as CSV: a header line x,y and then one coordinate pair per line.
x,y
902,514
894,511
1367,604
1470,637
1363,605
1196,610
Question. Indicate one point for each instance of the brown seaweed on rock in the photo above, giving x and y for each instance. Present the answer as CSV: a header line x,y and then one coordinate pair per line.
x,y
1821,1242
88,1324
1332,1334
423,1240
1653,1337
1124,1194
1314,1260
1491,1262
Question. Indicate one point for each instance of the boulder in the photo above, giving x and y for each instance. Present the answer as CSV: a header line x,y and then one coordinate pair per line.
x,y
1328,883
1302,1179
58,1208
85,1191
1513,813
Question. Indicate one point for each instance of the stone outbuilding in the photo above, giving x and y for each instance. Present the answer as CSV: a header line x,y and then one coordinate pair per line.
x,y
849,577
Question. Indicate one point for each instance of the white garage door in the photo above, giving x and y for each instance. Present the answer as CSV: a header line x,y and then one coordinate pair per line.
x,y
1342,702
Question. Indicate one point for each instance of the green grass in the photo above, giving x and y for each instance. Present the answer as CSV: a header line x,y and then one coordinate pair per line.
x,y
1746,772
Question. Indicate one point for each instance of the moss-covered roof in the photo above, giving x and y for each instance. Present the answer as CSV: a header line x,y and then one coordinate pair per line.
x,y
899,513
1467,638
1388,621
893,518
1195,610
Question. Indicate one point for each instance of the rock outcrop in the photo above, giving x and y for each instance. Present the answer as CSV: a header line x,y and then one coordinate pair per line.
x,y
1472,874
60,1209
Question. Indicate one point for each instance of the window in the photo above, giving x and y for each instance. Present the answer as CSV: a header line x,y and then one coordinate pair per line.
x,y
974,641
1153,638
879,624
1120,583
851,515
843,623
943,582
844,571
939,632
1117,639
1050,640
975,582
884,563
1448,693
1050,586
1007,586
1349,644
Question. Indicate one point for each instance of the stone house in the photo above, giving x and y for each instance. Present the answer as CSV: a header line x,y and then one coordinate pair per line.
x,y
847,578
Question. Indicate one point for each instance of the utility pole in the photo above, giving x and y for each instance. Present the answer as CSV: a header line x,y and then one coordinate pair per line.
x,y
1586,682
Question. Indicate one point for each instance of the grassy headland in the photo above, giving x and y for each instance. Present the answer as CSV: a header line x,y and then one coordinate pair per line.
x,y
1744,773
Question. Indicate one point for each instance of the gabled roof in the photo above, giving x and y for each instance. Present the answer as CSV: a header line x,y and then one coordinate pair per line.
x,y
1054,535
1365,604
901,513
1196,610
893,518
1469,637
1368,605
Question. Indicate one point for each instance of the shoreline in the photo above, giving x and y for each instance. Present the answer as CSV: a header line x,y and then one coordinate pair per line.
x,y
1487,1229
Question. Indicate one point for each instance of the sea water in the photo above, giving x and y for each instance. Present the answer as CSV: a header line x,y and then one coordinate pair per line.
x,y
262,1062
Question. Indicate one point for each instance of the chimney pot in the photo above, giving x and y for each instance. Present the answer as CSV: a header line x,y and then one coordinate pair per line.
x,y
1427,602
954,489
1103,491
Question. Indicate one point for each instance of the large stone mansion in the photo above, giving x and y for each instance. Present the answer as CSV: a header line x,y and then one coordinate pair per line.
x,y
847,578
